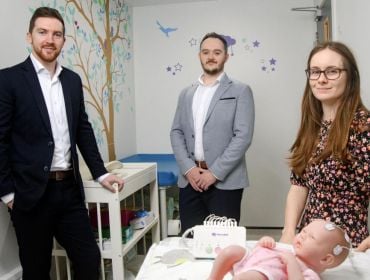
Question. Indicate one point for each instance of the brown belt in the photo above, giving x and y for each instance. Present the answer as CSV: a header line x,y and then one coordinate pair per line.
x,y
60,175
202,164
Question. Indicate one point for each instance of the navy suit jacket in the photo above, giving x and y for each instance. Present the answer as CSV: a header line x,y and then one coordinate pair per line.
x,y
26,139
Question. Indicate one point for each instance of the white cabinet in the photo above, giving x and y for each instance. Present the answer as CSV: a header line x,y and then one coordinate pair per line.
x,y
136,176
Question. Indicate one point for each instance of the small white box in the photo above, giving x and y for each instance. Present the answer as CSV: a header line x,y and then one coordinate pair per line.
x,y
142,222
107,244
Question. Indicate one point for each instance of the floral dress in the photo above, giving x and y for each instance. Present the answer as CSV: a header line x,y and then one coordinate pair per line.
x,y
340,191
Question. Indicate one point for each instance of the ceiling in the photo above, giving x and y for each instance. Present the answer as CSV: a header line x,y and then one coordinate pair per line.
x,y
138,3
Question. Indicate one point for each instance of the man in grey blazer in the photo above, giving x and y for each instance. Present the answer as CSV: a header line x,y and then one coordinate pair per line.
x,y
211,132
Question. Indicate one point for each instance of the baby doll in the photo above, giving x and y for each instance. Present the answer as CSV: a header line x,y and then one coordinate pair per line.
x,y
320,245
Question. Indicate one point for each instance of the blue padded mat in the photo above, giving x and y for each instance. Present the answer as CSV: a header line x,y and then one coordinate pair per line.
x,y
167,168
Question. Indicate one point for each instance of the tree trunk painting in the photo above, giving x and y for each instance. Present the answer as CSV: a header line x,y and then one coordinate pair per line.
x,y
107,27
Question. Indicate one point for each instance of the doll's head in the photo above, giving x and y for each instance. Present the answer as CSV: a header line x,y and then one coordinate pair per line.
x,y
321,245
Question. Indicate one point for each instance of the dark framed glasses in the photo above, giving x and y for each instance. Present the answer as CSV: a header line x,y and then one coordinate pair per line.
x,y
331,73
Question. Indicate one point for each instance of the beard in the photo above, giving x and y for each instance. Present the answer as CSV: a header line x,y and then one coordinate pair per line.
x,y
212,71
47,56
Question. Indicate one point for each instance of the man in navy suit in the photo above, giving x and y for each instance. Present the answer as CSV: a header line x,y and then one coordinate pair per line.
x,y
42,122
211,132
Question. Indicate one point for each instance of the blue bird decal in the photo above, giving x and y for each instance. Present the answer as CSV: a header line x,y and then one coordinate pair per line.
x,y
165,30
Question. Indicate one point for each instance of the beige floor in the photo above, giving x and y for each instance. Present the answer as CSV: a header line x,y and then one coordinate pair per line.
x,y
255,234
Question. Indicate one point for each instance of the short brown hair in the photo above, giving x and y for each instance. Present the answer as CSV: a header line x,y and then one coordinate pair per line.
x,y
215,36
45,12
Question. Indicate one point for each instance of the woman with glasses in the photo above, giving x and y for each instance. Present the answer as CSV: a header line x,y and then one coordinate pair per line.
x,y
330,158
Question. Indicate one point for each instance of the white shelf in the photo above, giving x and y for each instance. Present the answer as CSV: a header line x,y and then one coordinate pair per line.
x,y
137,235
136,176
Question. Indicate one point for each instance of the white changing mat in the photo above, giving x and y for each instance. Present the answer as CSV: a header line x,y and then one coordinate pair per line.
x,y
356,267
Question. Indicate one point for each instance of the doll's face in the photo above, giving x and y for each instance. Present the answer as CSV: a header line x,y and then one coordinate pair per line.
x,y
309,242
321,245
315,243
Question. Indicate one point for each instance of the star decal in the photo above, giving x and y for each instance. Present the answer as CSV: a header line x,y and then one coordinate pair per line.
x,y
178,67
174,69
192,42
256,44
272,61
269,65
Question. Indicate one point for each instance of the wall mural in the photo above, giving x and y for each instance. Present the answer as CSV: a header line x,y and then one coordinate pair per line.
x,y
166,30
267,65
97,47
174,69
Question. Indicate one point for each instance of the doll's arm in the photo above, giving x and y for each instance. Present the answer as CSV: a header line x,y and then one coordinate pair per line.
x,y
293,269
225,261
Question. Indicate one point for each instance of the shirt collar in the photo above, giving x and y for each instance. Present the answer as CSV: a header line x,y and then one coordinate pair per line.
x,y
40,68
218,80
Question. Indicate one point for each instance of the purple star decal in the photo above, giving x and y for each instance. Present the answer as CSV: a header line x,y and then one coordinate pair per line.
x,y
272,61
263,68
256,44
168,69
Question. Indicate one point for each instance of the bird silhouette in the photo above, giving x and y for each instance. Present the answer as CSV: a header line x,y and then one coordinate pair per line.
x,y
167,30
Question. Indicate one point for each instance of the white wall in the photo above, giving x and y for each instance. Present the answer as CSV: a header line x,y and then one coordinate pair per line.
x,y
14,45
284,35
351,21
14,35
8,246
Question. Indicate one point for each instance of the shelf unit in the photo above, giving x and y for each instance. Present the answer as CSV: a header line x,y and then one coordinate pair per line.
x,y
136,176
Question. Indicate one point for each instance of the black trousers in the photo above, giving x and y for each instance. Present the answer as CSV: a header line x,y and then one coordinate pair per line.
x,y
196,206
62,214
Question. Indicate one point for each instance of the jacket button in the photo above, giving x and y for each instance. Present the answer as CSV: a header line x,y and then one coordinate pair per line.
x,y
50,143
192,153
192,136
46,169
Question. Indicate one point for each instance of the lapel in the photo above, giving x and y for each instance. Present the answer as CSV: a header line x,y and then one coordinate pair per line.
x,y
35,89
189,103
67,98
224,85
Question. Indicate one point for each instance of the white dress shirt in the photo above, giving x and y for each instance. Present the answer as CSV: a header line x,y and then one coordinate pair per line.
x,y
54,100
201,101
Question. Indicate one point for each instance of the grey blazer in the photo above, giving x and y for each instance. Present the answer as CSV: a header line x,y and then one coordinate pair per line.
x,y
227,133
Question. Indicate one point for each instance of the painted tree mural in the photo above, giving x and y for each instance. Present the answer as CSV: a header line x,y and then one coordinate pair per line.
x,y
97,46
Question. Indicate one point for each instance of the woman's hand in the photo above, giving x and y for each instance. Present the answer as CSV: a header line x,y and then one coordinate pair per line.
x,y
364,245
287,237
